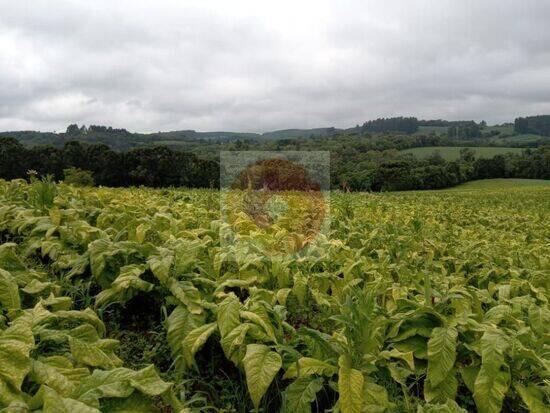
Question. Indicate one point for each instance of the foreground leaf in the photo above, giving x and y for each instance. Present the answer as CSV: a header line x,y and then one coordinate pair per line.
x,y
307,366
194,340
261,365
299,395
441,353
9,291
350,387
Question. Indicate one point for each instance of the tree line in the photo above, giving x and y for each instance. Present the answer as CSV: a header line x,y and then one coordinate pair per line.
x,y
391,171
465,131
360,168
538,125
398,124
156,166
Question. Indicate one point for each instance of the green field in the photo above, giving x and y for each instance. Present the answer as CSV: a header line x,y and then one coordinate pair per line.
x,y
520,139
451,153
504,130
498,184
150,301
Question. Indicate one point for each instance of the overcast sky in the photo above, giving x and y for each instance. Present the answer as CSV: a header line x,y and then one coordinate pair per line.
x,y
265,65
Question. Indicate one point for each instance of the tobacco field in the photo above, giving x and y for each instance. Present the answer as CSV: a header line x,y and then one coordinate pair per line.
x,y
126,300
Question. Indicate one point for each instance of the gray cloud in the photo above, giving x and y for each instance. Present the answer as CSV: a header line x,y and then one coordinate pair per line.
x,y
256,66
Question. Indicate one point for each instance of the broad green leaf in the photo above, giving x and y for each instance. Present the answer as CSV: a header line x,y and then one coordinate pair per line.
x,y
86,316
9,291
493,379
491,385
407,357
494,341
9,260
261,365
441,353
228,314
125,286
299,395
54,403
161,265
307,366
320,298
105,384
119,383
449,407
91,354
533,397
16,343
179,324
136,403
148,381
141,232
417,344
36,286
375,398
539,316
55,216
257,319
186,293
350,387
497,313
282,295
194,340
300,288
64,304
45,374
469,374
398,373
233,343
320,345
446,389
16,406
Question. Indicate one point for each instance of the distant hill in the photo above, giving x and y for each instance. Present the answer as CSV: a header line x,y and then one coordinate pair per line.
x,y
299,133
122,139
277,134
455,133
191,134
451,153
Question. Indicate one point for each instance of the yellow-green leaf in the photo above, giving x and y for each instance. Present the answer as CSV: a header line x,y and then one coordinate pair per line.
x,y
441,353
350,387
261,365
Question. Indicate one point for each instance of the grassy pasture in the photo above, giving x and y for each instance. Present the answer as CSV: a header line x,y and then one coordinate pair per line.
x,y
451,153
498,184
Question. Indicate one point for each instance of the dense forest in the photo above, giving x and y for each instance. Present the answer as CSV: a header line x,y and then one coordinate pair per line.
x,y
366,157
391,171
157,166
399,124
352,168
539,125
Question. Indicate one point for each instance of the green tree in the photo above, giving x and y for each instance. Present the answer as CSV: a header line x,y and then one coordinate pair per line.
x,y
467,155
73,130
78,177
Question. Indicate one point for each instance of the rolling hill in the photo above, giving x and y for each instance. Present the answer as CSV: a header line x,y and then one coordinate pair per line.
x,y
450,153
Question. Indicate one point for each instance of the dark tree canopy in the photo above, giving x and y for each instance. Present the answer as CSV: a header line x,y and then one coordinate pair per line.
x,y
399,124
539,125
156,166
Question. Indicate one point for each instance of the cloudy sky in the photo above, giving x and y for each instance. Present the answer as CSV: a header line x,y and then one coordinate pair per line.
x,y
264,65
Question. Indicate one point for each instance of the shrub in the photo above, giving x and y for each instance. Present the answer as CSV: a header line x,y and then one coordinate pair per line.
x,y
78,177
